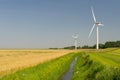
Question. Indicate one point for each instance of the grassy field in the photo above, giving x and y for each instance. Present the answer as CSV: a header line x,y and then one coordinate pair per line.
x,y
12,60
108,57
103,64
98,65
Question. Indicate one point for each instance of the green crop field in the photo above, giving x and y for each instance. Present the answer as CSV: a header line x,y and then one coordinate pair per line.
x,y
103,64
98,65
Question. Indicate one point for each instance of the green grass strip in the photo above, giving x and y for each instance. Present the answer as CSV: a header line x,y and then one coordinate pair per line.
x,y
104,60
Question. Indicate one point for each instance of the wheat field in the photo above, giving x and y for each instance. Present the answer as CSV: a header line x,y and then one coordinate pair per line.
x,y
13,60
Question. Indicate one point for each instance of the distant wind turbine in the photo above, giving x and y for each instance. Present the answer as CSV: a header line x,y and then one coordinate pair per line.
x,y
97,24
75,40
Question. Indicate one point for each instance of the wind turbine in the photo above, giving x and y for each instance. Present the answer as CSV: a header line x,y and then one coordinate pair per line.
x,y
75,40
96,24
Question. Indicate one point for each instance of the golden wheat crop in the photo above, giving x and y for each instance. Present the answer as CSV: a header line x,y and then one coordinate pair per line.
x,y
12,60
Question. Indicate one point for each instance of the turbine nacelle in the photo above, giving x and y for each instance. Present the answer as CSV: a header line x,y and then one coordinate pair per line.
x,y
75,37
98,24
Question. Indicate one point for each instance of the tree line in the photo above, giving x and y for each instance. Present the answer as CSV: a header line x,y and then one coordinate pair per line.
x,y
108,44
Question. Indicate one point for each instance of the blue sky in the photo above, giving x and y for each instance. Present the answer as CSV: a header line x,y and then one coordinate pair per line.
x,y
51,23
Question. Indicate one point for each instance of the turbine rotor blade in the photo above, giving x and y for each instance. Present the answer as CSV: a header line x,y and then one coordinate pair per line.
x,y
93,14
91,30
102,24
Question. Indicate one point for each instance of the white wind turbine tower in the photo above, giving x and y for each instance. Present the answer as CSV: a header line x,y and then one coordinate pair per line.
x,y
97,24
75,40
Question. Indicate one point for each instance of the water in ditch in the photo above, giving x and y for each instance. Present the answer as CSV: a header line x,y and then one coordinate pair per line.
x,y
68,74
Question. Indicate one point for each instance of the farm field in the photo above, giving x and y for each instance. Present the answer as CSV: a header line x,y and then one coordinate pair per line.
x,y
98,65
50,70
12,60
103,64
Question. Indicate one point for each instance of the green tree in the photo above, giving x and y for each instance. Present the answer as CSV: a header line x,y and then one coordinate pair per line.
x,y
117,44
110,44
